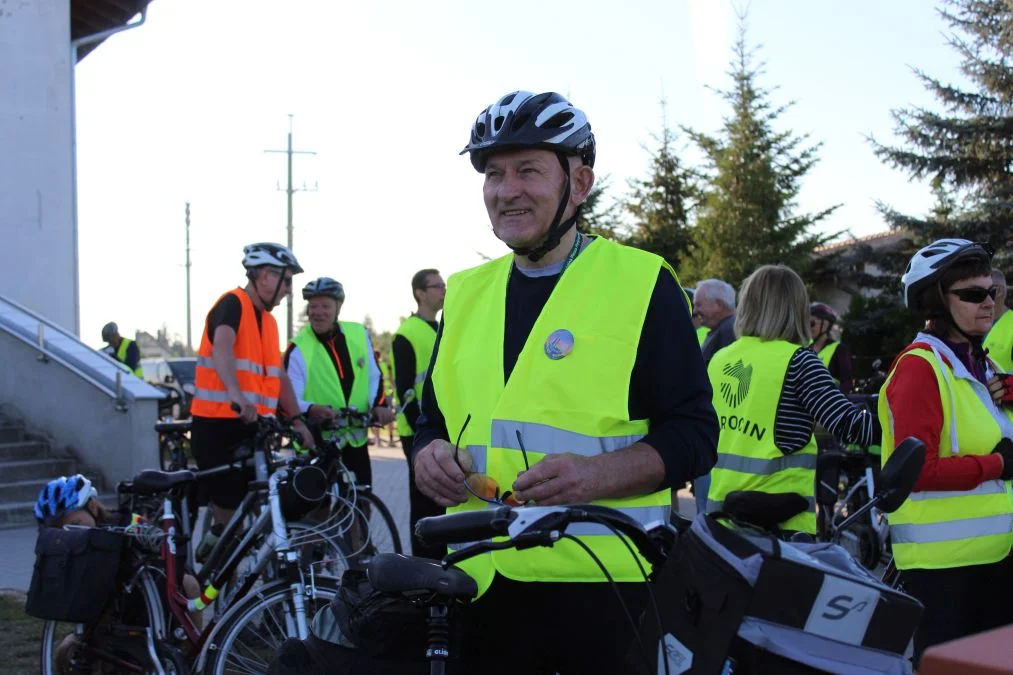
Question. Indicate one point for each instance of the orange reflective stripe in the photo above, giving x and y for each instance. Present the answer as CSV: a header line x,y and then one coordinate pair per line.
x,y
258,365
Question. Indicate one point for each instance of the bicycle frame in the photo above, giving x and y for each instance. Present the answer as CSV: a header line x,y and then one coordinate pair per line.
x,y
181,607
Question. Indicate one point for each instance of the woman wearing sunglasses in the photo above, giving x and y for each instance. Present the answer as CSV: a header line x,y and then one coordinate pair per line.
x,y
952,537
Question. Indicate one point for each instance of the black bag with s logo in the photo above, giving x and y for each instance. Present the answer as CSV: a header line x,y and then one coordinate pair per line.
x,y
733,598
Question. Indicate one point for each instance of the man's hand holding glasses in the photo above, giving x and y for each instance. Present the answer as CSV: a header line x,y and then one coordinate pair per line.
x,y
438,476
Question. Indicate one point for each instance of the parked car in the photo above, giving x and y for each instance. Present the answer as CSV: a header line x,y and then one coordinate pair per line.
x,y
176,374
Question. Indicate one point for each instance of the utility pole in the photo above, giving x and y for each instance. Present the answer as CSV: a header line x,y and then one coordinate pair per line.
x,y
290,191
189,340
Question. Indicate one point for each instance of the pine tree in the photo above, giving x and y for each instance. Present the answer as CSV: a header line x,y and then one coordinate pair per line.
x,y
749,215
660,204
966,151
599,217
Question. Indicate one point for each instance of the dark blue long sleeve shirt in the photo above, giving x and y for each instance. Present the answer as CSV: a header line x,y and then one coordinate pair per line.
x,y
668,386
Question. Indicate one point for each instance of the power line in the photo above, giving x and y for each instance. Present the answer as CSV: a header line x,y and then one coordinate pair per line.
x,y
290,191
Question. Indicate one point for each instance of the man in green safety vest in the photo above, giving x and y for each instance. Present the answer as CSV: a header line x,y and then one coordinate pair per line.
x,y
412,348
331,366
999,341
122,349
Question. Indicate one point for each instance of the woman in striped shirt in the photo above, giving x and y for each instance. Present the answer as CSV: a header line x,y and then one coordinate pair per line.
x,y
770,389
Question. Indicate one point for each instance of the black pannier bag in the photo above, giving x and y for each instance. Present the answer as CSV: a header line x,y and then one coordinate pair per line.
x,y
366,632
732,599
75,573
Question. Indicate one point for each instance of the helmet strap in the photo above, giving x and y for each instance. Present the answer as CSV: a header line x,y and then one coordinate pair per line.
x,y
557,229
976,341
277,289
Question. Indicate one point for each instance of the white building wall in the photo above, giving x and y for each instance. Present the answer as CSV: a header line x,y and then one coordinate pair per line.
x,y
37,227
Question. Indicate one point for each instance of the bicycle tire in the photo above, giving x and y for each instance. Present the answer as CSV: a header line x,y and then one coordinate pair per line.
x,y
155,610
262,641
383,534
330,559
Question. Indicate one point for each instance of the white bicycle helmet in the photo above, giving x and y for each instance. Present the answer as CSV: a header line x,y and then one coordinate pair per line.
x,y
525,120
274,255
324,286
929,263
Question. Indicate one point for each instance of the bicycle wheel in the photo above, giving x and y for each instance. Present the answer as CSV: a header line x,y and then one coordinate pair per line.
x,y
252,632
323,552
174,452
62,652
374,526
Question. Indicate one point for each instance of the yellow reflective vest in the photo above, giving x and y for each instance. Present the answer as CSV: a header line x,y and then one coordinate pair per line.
x,y
121,356
826,354
999,342
322,383
953,528
422,338
701,334
747,377
576,402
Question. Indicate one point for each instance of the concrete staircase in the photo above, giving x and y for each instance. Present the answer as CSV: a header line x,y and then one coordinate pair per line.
x,y
26,464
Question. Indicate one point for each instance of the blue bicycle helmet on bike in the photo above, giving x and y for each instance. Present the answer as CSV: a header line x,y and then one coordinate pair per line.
x,y
61,495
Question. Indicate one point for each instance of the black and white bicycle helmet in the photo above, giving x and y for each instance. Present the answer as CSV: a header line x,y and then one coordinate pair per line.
x,y
525,120
324,286
546,121
267,254
929,263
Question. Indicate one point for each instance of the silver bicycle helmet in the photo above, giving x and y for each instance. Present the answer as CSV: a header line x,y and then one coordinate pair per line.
x,y
324,286
267,254
929,263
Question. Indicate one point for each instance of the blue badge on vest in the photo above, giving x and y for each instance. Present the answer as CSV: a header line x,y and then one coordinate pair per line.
x,y
559,344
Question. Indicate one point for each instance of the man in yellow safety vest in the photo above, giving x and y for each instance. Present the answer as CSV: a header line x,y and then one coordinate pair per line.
x,y
570,371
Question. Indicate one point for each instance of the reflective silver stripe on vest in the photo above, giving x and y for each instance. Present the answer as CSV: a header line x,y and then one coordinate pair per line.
x,y
215,396
713,505
553,440
991,487
249,366
645,515
420,378
245,365
478,453
764,467
950,530
212,395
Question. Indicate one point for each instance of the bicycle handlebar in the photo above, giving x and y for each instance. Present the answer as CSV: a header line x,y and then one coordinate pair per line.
x,y
528,526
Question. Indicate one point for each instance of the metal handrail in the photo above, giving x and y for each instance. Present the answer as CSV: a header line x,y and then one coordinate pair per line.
x,y
38,342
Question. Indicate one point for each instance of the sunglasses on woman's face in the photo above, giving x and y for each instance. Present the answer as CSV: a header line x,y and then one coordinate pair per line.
x,y
974,294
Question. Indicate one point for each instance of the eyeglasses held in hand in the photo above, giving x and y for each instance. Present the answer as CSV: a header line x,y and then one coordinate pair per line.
x,y
483,482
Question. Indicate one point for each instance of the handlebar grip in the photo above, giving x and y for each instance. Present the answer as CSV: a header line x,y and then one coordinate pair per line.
x,y
458,528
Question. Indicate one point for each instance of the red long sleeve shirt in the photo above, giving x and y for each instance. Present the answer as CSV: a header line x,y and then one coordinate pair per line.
x,y
913,396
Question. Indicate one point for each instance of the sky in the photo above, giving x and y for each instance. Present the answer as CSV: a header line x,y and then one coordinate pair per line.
x,y
182,109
